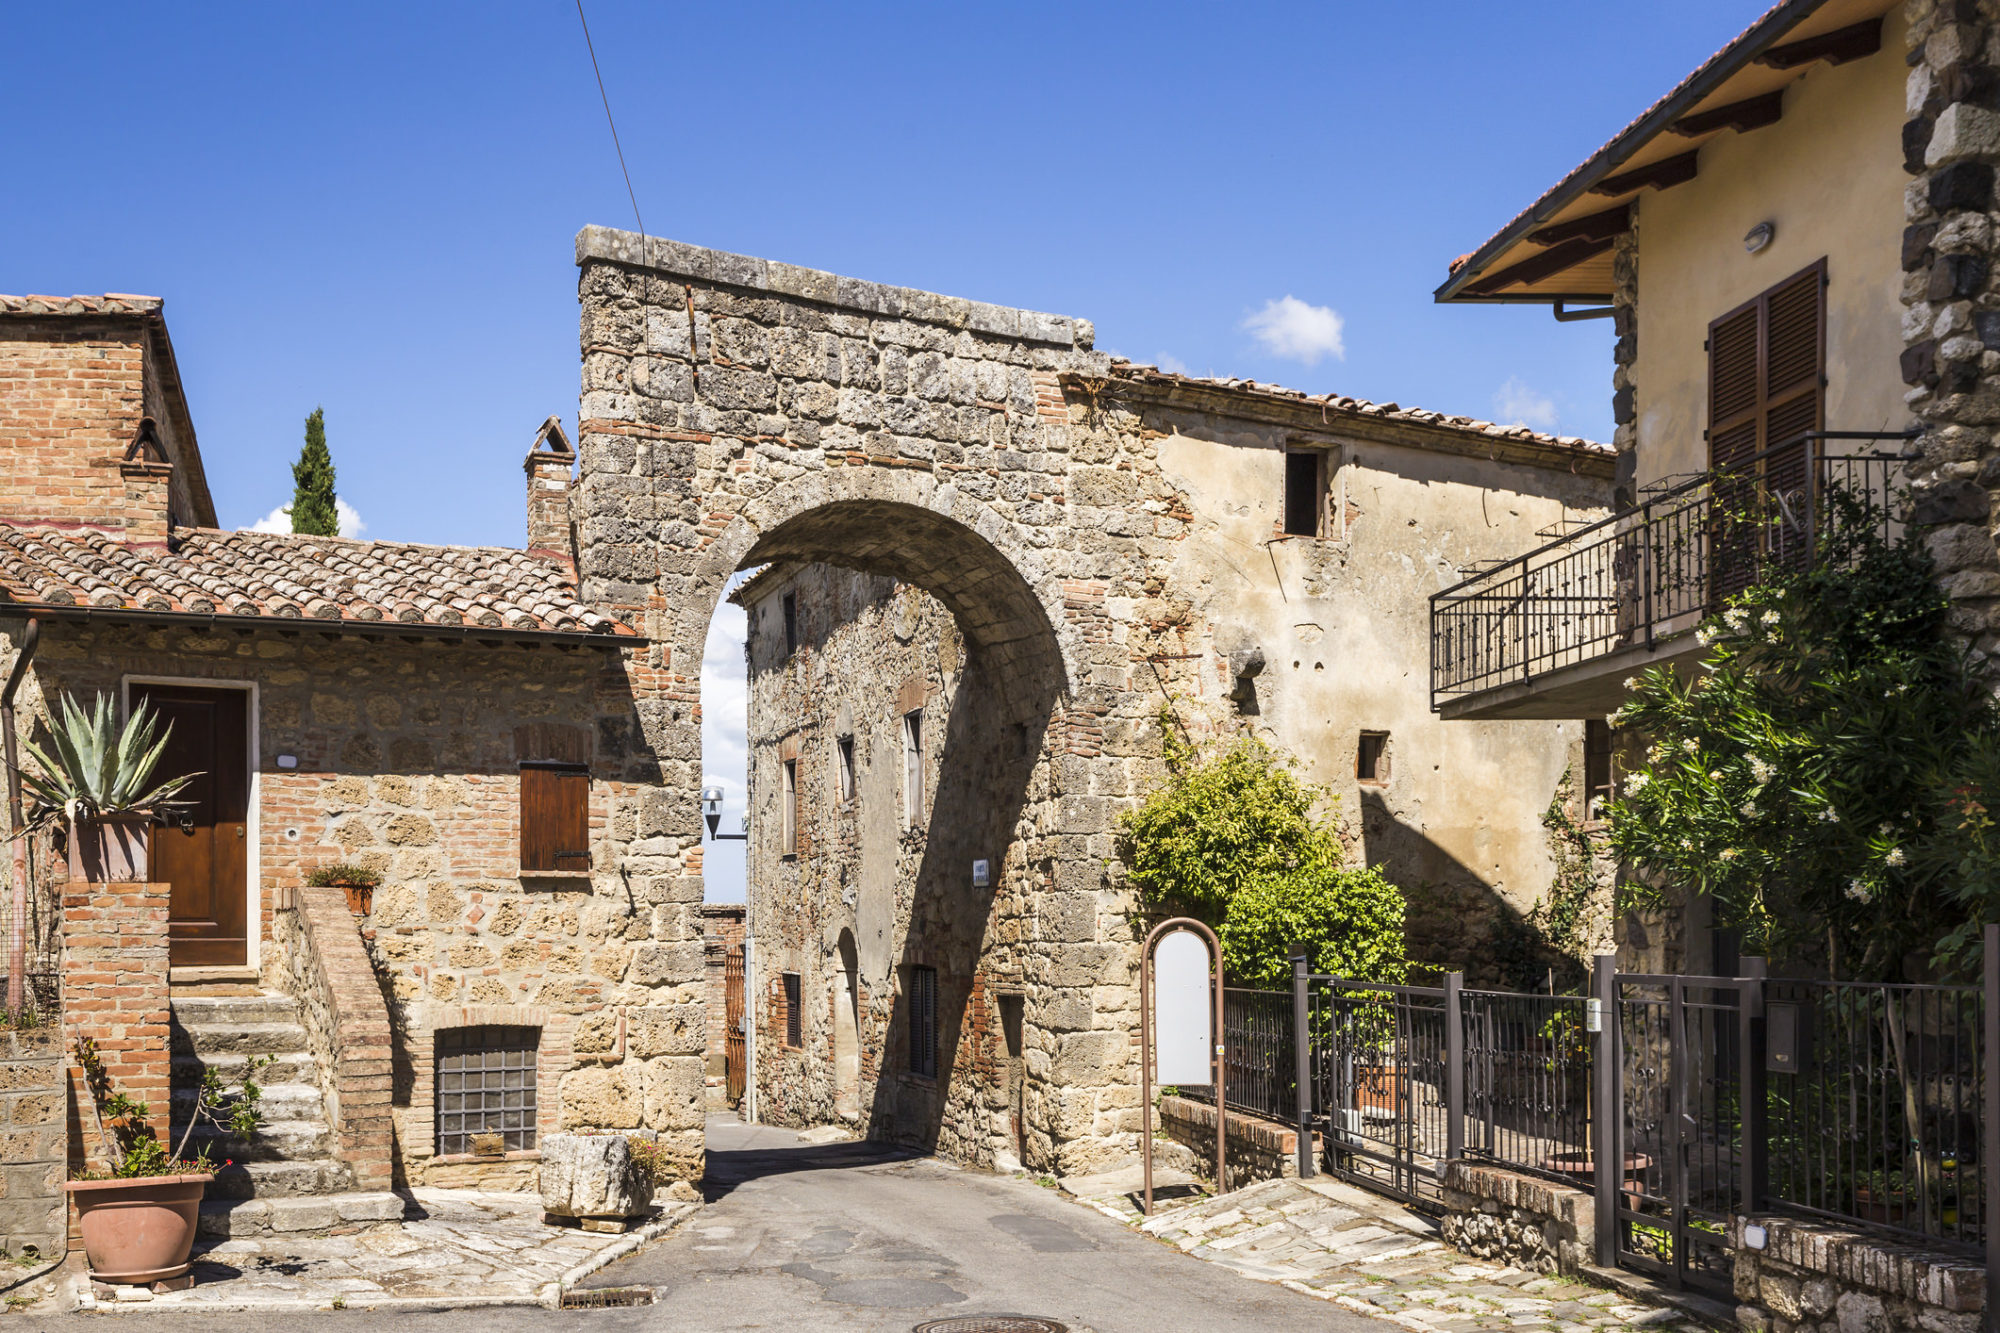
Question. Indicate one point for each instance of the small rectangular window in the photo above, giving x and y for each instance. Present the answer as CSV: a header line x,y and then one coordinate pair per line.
x,y
790,603
913,768
485,1086
1305,491
789,809
793,1011
555,817
1012,1027
1371,763
1597,789
843,759
923,1021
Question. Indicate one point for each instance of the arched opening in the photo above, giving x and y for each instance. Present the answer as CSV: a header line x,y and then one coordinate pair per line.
x,y
846,1030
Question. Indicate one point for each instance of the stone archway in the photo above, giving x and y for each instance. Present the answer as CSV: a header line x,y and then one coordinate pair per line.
x,y
736,412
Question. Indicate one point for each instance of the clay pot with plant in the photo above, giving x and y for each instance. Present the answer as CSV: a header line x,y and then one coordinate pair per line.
x,y
357,882
96,779
138,1216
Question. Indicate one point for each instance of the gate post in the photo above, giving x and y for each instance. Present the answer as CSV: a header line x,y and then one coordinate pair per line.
x,y
1750,1082
1989,1127
1605,1156
1454,1066
1302,1100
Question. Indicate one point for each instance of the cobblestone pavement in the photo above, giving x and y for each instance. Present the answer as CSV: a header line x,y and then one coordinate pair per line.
x,y
467,1248
1366,1254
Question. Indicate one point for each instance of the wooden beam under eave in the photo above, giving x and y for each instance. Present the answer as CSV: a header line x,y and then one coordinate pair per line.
x,y
1544,265
1596,227
1660,175
1751,113
1836,47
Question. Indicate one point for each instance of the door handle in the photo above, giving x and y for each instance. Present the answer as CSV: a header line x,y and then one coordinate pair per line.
x,y
185,824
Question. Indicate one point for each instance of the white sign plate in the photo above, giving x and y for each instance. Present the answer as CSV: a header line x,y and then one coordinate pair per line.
x,y
1183,1010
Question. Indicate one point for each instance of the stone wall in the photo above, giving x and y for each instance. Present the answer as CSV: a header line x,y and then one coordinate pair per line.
x,y
1519,1220
1253,1148
1818,1278
1951,301
347,1026
115,996
34,1156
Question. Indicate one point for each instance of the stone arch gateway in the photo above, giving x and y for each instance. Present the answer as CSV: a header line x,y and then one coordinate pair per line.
x,y
736,412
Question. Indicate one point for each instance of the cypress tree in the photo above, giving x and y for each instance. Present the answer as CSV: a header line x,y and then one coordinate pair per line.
x,y
312,481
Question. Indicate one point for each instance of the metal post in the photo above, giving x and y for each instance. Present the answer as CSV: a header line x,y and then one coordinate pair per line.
x,y
749,1028
1750,1082
1646,571
1606,1160
1454,1067
1302,1061
1146,1069
1989,1157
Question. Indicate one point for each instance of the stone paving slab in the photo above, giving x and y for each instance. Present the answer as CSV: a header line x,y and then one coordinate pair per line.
x,y
1373,1257
467,1248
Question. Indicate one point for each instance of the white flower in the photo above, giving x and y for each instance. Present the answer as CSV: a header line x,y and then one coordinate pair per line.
x,y
1895,856
1689,745
1736,618
1611,719
1769,618
1748,810
1884,830
1727,854
1636,783
1715,775
1704,636
1761,769
1859,891
1631,683
1827,816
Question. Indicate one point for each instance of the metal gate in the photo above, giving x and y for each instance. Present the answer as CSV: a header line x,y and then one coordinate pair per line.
x,y
732,1019
1680,1084
1381,1056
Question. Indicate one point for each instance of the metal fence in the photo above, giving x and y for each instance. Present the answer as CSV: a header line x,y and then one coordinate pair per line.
x,y
1528,1081
1654,570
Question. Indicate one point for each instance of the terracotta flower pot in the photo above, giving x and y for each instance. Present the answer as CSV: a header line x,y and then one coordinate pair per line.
x,y
111,850
138,1230
360,897
1378,1087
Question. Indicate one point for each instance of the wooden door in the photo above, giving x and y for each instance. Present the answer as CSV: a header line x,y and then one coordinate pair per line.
x,y
204,853
732,1018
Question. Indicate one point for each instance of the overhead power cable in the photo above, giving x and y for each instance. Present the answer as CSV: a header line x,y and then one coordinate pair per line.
x,y
609,120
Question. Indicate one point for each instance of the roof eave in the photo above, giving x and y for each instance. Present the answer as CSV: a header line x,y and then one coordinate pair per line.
x,y
1724,65
378,629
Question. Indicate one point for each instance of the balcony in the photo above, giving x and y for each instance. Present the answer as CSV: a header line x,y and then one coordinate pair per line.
x,y
1554,633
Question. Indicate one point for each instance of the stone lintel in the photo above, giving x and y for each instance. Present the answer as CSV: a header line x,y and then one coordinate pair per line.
x,y
677,259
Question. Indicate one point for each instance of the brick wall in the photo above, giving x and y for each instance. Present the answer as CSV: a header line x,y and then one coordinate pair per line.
x,y
33,1147
115,995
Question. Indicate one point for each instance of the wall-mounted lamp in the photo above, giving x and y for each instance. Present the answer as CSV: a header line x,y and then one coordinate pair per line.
x,y
711,810
1759,236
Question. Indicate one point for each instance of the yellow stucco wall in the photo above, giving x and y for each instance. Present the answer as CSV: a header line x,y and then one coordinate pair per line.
x,y
1829,176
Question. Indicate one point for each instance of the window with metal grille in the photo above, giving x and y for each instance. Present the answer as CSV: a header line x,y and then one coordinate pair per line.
x,y
793,1005
1305,491
486,1085
1597,781
923,1021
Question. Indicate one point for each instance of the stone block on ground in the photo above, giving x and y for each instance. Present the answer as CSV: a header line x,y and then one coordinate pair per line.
x,y
592,1176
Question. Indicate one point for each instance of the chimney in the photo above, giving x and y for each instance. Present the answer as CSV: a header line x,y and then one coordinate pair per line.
x,y
148,478
551,465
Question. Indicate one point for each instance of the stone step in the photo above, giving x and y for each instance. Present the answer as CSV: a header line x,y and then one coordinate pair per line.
x,y
209,1010
281,1101
277,1141
279,1180
234,1218
238,1038
289,1067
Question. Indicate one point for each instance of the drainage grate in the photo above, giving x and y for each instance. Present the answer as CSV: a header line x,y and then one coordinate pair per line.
x,y
603,1298
991,1323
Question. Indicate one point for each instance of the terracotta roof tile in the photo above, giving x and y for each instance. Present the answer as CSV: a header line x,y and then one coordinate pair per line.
x,y
285,575
111,303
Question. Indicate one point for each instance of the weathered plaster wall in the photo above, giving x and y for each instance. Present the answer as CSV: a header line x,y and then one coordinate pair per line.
x,y
1829,176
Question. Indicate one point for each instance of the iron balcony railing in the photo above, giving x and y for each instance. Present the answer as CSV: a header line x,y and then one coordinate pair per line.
x,y
1652,571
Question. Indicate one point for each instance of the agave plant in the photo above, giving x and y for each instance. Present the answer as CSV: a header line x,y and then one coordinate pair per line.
x,y
96,766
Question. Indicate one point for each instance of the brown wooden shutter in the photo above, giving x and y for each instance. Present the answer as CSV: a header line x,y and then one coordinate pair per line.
x,y
555,817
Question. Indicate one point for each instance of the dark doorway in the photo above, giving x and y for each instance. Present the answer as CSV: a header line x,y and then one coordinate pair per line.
x,y
204,851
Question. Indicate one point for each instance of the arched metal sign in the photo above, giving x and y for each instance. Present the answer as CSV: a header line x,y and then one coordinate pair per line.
x,y
1180,1026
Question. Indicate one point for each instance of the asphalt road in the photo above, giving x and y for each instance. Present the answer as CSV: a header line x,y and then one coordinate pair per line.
x,y
860,1238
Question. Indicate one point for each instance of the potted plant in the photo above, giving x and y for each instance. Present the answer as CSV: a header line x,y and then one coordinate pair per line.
x,y
138,1217
357,882
96,777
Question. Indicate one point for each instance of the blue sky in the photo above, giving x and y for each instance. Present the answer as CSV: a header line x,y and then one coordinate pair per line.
x,y
370,207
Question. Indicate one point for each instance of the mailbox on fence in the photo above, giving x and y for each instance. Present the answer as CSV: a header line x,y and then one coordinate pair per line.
x,y
1180,1027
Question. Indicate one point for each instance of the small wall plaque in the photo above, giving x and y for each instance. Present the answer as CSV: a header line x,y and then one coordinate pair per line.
x,y
982,874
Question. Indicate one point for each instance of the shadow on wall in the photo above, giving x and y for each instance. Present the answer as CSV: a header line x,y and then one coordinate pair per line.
x,y
1456,921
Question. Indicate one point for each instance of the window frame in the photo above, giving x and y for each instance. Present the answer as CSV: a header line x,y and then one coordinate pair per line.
x,y
788,609
1378,773
504,1040
921,1057
1288,523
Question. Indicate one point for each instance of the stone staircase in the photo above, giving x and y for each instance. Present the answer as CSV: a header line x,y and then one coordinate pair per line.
x,y
290,1177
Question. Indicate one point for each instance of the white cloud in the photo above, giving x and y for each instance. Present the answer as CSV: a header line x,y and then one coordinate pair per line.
x,y
1298,332
280,519
1518,405
1172,364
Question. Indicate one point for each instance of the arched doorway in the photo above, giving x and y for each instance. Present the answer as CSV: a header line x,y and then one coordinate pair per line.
x,y
846,1030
